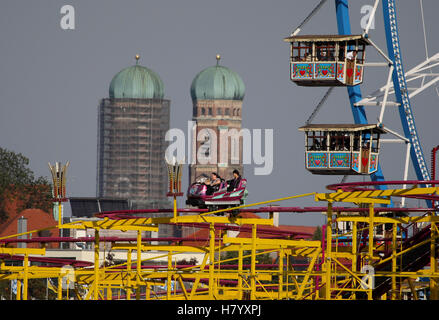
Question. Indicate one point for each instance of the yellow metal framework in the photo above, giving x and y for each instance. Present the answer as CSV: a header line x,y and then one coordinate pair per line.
x,y
359,269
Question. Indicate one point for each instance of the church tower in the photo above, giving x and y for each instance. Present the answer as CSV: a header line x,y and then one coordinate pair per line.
x,y
217,95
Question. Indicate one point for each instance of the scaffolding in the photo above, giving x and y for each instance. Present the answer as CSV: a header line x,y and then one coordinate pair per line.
x,y
130,144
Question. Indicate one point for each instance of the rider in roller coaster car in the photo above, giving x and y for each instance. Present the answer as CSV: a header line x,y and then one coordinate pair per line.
x,y
214,183
234,183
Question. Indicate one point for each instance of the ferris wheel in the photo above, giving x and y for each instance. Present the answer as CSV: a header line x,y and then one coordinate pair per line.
x,y
325,61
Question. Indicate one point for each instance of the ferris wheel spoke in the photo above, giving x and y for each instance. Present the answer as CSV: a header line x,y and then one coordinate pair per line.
x,y
354,92
400,87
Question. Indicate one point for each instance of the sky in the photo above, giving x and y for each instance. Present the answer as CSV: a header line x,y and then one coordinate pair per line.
x,y
51,79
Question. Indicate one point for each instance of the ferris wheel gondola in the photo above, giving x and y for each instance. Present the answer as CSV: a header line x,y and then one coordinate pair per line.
x,y
310,69
347,149
327,60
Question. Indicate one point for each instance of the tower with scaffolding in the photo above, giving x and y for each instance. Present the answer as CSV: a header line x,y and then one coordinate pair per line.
x,y
132,123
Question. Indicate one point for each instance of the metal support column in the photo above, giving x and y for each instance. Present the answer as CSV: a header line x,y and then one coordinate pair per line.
x,y
394,246
139,263
253,264
129,262
328,253
96,266
25,276
211,260
433,261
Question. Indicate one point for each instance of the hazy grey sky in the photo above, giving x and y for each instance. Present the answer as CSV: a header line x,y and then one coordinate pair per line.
x,y
51,79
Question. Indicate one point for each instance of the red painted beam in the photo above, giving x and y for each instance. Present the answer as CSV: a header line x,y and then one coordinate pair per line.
x,y
102,239
54,261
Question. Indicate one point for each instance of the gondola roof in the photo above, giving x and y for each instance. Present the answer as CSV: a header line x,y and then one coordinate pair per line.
x,y
327,38
342,127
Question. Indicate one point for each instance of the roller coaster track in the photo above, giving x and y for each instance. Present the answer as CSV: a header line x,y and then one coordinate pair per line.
x,y
415,252
413,260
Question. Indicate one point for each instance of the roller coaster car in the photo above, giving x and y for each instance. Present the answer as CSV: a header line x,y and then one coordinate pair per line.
x,y
325,60
220,199
345,149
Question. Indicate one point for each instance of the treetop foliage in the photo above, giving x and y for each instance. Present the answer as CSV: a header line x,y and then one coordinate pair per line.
x,y
18,182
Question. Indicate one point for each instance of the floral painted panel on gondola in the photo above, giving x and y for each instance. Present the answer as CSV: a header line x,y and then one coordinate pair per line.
x,y
325,71
340,71
373,163
317,160
356,161
358,74
344,241
340,160
302,71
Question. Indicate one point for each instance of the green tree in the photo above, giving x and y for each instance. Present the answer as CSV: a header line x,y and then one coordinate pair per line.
x,y
37,290
5,289
317,234
17,182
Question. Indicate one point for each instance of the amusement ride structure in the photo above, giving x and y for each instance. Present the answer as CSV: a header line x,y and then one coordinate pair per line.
x,y
369,249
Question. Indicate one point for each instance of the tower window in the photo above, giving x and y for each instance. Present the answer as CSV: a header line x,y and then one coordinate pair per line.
x,y
203,111
210,112
227,112
219,111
